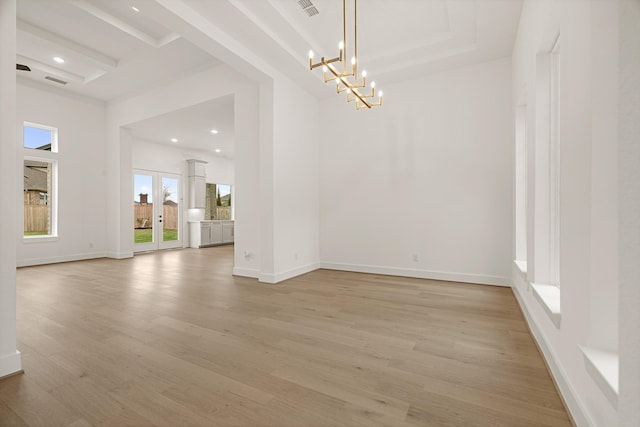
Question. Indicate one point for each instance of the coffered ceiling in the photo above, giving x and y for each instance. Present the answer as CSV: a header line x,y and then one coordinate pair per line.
x,y
112,51
109,50
397,39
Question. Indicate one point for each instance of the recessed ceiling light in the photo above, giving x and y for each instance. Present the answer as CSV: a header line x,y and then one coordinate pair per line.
x,y
218,150
135,9
214,131
58,59
174,139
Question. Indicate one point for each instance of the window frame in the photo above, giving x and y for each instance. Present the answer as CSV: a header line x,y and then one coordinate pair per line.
x,y
50,157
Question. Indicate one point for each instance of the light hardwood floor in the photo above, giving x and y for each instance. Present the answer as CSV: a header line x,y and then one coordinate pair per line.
x,y
173,339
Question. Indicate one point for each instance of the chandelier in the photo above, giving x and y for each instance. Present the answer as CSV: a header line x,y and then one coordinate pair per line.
x,y
348,79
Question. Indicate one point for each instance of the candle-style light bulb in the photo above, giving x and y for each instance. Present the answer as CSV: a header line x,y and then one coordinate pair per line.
x,y
341,45
348,90
353,60
310,54
364,73
373,85
380,95
325,69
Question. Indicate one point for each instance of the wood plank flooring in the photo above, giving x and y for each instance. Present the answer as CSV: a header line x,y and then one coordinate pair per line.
x,y
171,339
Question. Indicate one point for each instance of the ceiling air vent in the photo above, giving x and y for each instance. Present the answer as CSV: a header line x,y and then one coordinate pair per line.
x,y
308,7
53,79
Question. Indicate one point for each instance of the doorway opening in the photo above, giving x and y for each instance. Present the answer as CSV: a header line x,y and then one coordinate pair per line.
x,y
156,211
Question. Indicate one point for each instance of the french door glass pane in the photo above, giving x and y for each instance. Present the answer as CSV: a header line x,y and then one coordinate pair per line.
x,y
143,208
170,209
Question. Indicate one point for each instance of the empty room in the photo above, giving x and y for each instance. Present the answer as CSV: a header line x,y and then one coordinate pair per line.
x,y
320,213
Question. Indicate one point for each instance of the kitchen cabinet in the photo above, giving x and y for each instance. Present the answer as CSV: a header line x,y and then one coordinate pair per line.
x,y
197,185
210,233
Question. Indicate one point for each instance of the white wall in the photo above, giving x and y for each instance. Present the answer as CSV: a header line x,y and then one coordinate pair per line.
x,y
165,158
290,170
427,174
10,360
81,173
588,194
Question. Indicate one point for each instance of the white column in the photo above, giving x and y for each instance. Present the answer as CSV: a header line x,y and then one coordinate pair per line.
x,y
267,247
629,212
10,361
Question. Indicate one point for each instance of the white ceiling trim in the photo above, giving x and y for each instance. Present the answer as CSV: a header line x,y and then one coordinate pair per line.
x,y
123,26
254,17
459,37
96,75
167,39
450,53
407,49
311,41
48,69
95,58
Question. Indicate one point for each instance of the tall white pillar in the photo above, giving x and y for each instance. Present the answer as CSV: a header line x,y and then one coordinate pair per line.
x,y
629,213
10,361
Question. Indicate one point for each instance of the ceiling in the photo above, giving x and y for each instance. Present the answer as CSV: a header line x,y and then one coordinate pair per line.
x,y
397,39
192,127
112,52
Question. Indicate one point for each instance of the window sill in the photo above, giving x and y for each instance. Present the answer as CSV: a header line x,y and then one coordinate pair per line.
x,y
602,366
549,298
39,239
522,266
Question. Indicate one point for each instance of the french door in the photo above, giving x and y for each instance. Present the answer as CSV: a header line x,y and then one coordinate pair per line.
x,y
156,211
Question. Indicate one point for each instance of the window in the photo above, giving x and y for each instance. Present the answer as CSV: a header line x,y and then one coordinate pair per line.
x,y
554,164
40,180
547,168
545,276
219,202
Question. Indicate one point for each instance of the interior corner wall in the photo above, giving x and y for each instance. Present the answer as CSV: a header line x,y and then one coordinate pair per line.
x,y
81,173
290,176
421,187
588,192
10,359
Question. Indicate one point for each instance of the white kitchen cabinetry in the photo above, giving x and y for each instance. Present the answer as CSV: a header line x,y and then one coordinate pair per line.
x,y
227,231
197,184
210,233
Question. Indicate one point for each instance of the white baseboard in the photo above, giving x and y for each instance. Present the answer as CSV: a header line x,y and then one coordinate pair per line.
x,y
57,259
569,395
10,364
279,277
482,279
246,272
119,255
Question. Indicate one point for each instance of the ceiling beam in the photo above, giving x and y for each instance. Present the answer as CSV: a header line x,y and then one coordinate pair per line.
x,y
167,39
92,56
48,69
123,26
